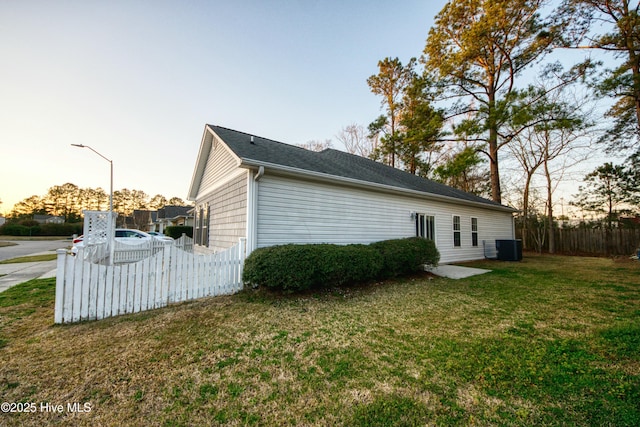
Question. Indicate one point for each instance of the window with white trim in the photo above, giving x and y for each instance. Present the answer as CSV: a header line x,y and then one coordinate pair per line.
x,y
197,218
205,225
201,235
456,231
474,231
426,226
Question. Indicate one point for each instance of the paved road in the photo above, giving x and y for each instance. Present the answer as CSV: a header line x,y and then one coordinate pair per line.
x,y
28,247
13,274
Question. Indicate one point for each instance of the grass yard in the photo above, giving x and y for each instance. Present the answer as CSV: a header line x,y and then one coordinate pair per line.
x,y
31,258
22,238
547,341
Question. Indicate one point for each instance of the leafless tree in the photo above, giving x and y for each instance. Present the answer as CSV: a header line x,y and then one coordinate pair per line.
x,y
315,145
554,142
356,140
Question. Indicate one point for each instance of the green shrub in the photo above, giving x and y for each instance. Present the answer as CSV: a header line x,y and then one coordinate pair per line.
x,y
28,228
66,229
176,231
299,267
405,256
13,229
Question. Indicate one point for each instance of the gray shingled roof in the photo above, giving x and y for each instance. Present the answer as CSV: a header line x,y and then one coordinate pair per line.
x,y
171,211
335,163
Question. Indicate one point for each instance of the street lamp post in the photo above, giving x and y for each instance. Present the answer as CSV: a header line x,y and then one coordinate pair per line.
x,y
111,164
111,231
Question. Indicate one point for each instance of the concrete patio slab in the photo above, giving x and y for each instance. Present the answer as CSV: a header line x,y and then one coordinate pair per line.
x,y
456,271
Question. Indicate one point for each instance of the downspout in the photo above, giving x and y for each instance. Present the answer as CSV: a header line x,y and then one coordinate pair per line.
x,y
259,174
252,210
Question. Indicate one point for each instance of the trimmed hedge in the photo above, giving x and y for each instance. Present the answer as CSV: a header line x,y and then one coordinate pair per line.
x,y
19,230
66,229
300,267
404,256
176,231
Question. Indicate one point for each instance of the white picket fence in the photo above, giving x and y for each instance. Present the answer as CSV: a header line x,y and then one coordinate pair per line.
x,y
130,252
92,291
126,252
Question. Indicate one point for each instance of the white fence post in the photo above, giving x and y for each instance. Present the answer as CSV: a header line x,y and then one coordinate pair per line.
x,y
60,286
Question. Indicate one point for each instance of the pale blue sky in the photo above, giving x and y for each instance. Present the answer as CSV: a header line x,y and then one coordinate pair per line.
x,y
138,80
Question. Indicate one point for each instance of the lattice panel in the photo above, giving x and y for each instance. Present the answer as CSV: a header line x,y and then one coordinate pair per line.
x,y
98,225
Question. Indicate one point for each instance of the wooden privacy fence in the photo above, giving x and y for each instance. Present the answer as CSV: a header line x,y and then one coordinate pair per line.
x,y
621,241
91,291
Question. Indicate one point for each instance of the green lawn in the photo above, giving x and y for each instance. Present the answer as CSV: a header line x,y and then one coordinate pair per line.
x,y
547,341
20,238
31,258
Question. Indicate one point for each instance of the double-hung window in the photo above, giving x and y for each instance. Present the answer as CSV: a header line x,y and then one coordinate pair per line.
x,y
201,236
456,231
205,225
474,231
426,226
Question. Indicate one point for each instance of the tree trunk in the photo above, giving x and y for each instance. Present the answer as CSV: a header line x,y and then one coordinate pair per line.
x,y
496,194
552,235
635,71
525,211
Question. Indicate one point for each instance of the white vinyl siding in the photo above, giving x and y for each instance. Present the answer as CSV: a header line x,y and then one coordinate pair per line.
x,y
299,211
220,167
293,211
227,214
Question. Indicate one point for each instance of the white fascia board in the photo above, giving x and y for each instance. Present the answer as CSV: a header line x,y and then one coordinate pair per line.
x,y
319,176
201,162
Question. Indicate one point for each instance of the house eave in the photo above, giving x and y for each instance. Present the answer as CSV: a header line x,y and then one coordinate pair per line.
x,y
319,176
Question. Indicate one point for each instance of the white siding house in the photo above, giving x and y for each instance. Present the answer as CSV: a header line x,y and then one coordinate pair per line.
x,y
273,193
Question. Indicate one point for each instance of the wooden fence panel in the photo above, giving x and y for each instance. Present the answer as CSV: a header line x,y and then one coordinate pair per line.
x,y
89,291
622,241
592,241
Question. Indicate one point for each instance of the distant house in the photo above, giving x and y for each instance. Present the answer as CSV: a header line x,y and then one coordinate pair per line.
x,y
2,220
48,219
170,216
273,193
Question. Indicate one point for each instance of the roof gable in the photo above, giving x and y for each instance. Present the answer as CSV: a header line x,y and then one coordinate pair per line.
x,y
253,150
207,145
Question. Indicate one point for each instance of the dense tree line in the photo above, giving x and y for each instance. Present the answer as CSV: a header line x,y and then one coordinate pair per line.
x,y
481,96
69,200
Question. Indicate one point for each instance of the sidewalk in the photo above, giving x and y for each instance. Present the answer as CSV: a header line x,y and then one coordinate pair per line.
x,y
14,274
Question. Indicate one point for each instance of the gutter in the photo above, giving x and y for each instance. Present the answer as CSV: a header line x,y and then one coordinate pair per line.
x,y
296,172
